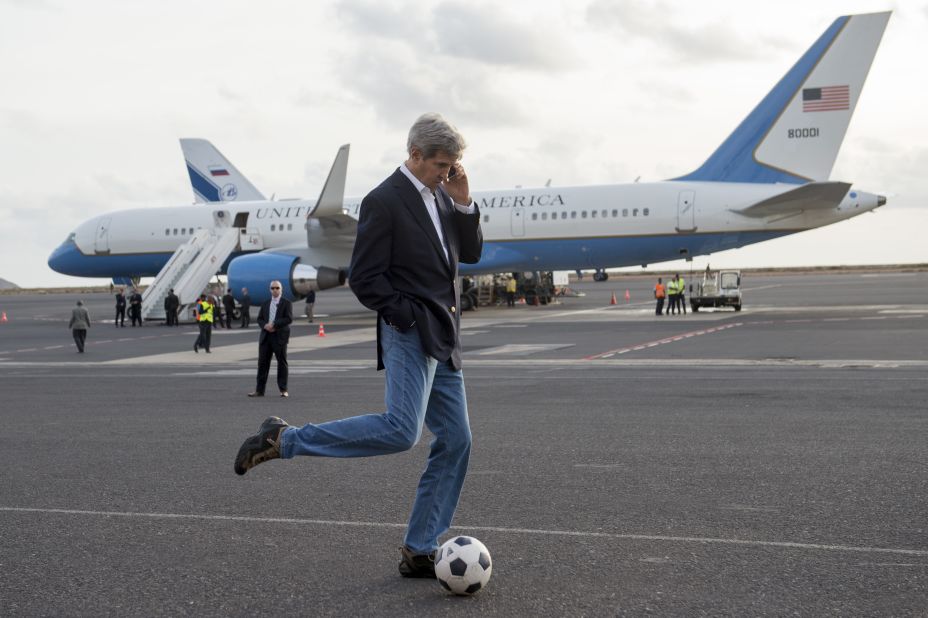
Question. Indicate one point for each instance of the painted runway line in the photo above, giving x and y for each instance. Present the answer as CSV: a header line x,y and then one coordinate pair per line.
x,y
664,341
500,529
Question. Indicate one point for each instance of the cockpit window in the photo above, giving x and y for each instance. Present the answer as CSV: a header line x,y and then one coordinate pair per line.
x,y
72,235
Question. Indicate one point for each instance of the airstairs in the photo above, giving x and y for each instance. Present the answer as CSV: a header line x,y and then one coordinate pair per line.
x,y
190,268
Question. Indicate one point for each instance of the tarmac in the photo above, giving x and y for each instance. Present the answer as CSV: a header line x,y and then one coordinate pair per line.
x,y
772,461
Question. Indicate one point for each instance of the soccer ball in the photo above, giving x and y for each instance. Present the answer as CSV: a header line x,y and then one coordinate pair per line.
x,y
463,565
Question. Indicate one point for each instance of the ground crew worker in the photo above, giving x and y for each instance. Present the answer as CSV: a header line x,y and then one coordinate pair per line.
x,y
681,294
672,295
310,303
511,287
659,294
204,313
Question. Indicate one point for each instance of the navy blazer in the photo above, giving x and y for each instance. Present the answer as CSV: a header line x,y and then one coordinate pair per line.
x,y
398,267
282,320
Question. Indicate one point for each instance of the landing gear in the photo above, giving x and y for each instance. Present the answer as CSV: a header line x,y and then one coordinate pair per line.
x,y
600,275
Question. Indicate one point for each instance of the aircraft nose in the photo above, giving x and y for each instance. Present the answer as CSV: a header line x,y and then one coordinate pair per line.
x,y
64,258
880,200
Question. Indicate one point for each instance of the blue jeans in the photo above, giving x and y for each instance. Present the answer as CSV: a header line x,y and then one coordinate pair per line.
x,y
419,390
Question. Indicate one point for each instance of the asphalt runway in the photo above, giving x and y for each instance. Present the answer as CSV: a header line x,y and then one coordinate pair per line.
x,y
772,461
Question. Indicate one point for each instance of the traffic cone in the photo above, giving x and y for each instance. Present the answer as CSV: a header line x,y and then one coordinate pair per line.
x,y
613,301
3,319
321,330
628,296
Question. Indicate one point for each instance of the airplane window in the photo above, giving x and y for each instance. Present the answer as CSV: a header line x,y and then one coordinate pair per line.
x,y
573,214
486,218
593,214
544,216
175,231
167,232
615,213
645,212
564,215
273,227
605,213
191,230
634,212
625,212
183,231
583,215
534,216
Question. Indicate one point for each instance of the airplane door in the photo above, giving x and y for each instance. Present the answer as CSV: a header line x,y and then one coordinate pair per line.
x,y
101,241
686,211
518,221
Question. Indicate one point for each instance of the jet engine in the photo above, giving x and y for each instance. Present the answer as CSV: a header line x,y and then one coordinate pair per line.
x,y
257,270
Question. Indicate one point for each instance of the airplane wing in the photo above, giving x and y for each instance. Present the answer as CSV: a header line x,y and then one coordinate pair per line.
x,y
810,196
330,233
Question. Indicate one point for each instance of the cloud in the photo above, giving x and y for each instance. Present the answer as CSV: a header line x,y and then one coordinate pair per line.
x,y
35,5
707,43
229,94
460,31
472,32
391,79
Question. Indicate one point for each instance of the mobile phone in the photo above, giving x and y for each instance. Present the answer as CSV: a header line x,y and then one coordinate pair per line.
x,y
452,172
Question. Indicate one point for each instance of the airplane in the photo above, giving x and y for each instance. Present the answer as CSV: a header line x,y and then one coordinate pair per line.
x,y
768,179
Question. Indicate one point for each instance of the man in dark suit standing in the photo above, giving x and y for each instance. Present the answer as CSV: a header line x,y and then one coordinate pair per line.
x,y
171,305
246,308
121,308
228,304
274,318
135,307
413,230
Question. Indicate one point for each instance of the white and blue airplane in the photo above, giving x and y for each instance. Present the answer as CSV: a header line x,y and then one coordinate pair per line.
x,y
768,179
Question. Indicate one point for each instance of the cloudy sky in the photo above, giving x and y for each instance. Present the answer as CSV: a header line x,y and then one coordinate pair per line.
x,y
96,94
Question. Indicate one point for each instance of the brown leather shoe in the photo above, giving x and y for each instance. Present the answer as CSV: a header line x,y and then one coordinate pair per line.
x,y
416,565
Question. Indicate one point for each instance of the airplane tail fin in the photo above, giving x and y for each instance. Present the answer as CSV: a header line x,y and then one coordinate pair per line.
x,y
795,132
213,177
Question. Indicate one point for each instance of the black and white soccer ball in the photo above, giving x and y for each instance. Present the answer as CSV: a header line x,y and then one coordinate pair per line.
x,y
463,565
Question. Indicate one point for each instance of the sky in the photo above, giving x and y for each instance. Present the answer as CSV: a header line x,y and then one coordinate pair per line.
x,y
96,94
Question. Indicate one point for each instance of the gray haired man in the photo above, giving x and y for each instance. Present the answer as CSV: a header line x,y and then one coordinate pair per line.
x,y
80,322
413,231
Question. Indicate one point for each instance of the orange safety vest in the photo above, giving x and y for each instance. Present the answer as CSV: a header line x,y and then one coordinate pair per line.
x,y
659,290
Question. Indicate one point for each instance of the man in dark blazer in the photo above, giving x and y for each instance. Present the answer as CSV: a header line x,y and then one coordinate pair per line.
x,y
413,231
120,308
228,304
274,319
246,308
171,305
